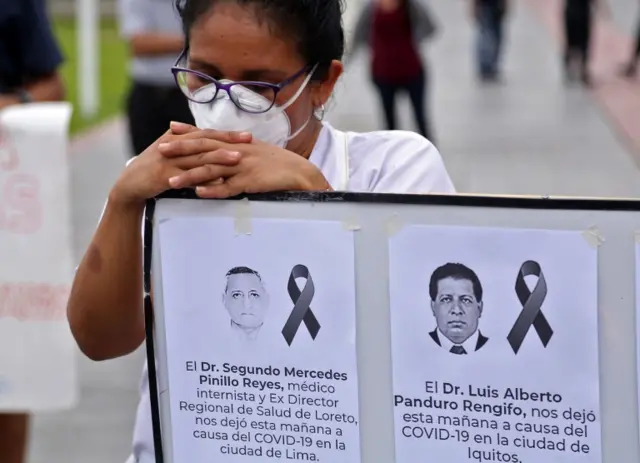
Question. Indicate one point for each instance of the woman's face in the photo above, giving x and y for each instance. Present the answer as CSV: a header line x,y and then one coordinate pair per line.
x,y
229,42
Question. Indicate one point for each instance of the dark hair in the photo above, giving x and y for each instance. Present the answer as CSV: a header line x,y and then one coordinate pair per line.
x,y
316,25
240,271
457,272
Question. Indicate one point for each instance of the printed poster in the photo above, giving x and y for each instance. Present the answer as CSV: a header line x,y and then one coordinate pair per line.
x,y
260,332
495,345
37,350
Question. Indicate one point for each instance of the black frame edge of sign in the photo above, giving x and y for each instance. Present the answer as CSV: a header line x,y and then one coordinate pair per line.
x,y
519,202
513,202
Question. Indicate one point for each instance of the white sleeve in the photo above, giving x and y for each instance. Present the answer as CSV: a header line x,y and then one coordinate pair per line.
x,y
413,165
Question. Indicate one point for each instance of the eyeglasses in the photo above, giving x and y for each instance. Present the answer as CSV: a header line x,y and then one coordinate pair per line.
x,y
201,88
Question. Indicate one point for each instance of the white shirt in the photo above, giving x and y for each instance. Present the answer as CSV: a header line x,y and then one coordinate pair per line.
x,y
376,162
469,345
383,162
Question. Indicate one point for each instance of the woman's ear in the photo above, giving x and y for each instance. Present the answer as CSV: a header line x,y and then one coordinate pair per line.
x,y
323,90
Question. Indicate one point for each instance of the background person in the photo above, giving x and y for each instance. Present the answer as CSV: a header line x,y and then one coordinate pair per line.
x,y
29,64
631,68
578,19
246,301
29,55
290,53
489,16
456,302
394,30
154,33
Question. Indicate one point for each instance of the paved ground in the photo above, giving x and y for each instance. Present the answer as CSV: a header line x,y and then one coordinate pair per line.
x,y
529,136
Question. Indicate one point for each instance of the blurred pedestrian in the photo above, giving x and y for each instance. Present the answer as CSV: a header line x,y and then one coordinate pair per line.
x,y
29,64
489,16
154,32
29,55
631,67
394,30
578,18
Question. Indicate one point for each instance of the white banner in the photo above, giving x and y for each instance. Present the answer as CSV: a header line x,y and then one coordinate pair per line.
x,y
37,352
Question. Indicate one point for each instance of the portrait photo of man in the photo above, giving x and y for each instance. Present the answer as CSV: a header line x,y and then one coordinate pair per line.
x,y
456,303
246,301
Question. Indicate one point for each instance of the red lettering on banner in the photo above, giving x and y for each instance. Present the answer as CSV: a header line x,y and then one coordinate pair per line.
x,y
33,301
9,159
20,207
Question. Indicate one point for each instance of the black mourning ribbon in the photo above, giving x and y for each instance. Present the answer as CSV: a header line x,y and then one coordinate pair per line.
x,y
302,305
531,313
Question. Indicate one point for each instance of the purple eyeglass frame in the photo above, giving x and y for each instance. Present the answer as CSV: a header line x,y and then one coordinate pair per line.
x,y
227,87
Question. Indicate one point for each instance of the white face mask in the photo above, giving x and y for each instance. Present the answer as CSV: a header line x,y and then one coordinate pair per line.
x,y
273,126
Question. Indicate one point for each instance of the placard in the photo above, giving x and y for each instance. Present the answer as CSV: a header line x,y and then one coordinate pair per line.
x,y
494,345
260,333
37,351
583,250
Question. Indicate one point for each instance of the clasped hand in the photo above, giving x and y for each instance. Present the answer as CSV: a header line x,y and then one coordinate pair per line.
x,y
218,164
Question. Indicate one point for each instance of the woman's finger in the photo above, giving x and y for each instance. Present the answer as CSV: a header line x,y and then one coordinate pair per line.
x,y
221,157
228,136
220,190
188,147
180,128
200,175
214,182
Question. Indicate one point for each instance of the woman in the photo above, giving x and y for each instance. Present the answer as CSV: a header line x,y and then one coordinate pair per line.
x,y
290,51
394,31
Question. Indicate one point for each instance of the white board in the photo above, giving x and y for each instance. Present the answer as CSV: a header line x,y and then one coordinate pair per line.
x,y
37,351
602,232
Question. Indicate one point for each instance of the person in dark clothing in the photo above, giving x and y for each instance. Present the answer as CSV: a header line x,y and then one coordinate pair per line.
x,y
489,16
394,31
29,64
631,67
29,55
578,18
154,33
